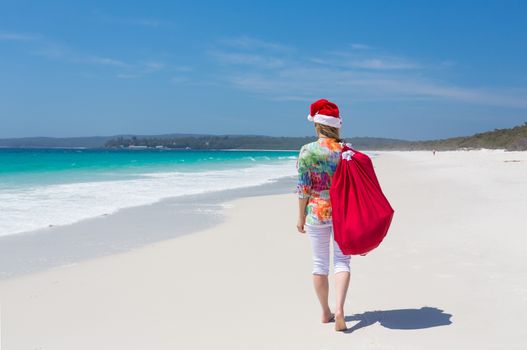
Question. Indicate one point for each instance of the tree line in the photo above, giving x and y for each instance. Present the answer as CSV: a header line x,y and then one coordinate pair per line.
x,y
513,139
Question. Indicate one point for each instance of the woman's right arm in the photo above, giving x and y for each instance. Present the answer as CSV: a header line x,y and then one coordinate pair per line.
x,y
303,188
302,204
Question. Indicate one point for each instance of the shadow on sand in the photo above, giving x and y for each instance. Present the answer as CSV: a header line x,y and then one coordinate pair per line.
x,y
425,317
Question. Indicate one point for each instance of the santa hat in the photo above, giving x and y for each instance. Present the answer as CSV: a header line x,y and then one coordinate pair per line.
x,y
325,112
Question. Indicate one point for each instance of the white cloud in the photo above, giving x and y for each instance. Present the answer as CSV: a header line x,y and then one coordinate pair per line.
x,y
357,46
134,21
249,43
178,80
121,69
382,63
141,70
183,68
135,71
369,60
105,61
256,60
154,65
12,36
128,76
146,22
49,51
366,76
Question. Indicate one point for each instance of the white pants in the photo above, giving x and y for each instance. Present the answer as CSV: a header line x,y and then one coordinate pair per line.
x,y
320,237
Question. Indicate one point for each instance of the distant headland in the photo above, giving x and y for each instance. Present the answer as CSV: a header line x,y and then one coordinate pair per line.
x,y
511,139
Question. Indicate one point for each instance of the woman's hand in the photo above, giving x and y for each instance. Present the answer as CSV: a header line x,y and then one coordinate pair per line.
x,y
302,203
300,224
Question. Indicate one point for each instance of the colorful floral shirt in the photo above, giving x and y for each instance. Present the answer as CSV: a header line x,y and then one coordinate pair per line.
x,y
316,164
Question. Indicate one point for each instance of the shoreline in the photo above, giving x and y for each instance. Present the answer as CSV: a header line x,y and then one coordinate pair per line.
x,y
76,185
38,250
49,247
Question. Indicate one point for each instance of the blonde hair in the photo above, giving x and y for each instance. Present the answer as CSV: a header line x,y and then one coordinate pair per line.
x,y
328,131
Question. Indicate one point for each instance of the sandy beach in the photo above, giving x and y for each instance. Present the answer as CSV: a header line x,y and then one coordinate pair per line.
x,y
451,273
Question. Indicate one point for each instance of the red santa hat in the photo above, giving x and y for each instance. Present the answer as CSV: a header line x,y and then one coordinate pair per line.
x,y
325,112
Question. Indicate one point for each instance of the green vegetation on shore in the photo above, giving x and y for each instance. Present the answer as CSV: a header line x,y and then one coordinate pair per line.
x,y
212,142
509,139
512,139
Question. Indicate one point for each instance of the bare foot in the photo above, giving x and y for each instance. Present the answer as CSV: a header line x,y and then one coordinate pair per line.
x,y
340,323
328,317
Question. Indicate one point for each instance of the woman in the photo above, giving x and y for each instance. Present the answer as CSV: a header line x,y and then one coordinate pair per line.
x,y
317,162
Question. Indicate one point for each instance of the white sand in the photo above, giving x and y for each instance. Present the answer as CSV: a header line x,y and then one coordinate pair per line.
x,y
458,243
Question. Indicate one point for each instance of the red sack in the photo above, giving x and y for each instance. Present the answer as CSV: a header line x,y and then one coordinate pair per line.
x,y
360,211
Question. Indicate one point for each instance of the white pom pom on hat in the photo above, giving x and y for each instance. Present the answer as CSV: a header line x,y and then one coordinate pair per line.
x,y
325,112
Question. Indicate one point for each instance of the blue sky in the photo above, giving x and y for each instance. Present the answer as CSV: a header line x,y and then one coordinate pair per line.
x,y
401,69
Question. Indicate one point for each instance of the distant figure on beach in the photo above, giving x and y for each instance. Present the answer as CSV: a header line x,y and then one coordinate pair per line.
x,y
434,152
316,164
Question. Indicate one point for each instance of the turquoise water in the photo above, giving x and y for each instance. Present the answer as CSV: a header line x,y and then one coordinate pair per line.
x,y
39,166
43,187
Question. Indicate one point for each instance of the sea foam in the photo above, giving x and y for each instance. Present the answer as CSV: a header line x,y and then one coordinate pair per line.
x,y
35,207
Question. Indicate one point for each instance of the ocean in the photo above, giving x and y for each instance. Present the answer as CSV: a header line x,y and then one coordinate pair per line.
x,y
40,188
